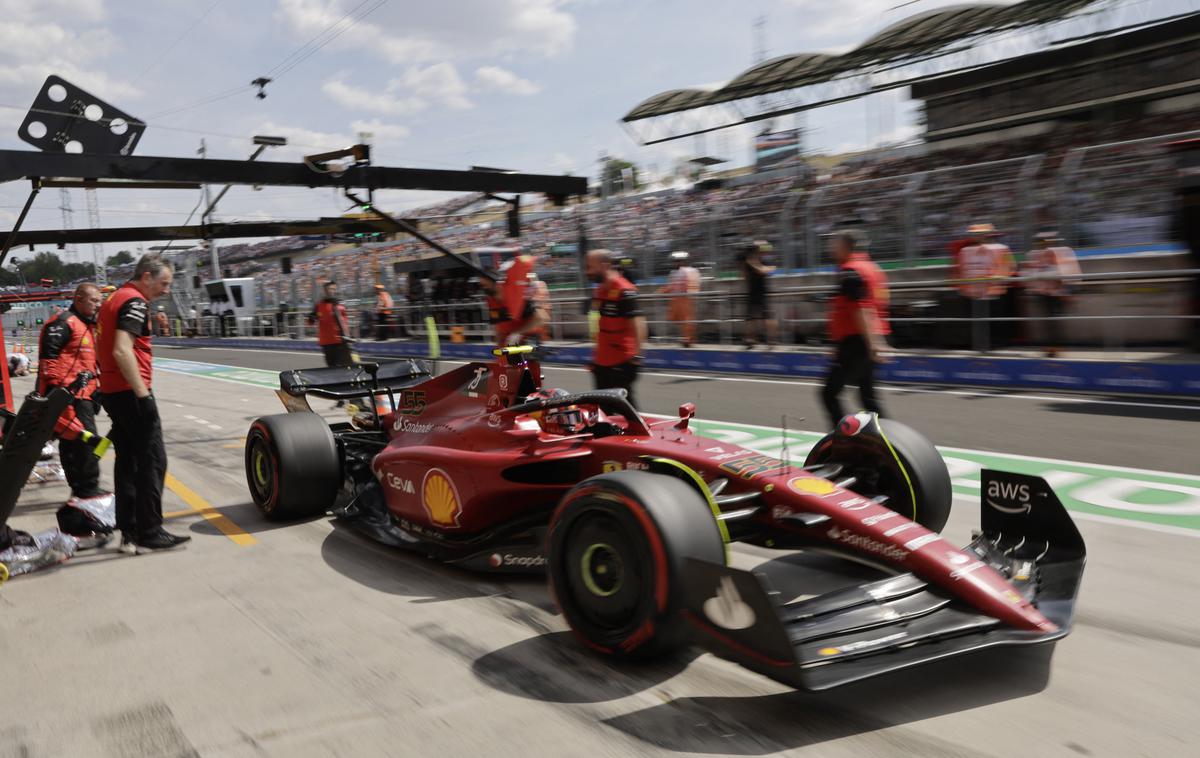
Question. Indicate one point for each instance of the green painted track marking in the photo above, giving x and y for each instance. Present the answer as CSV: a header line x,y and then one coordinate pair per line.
x,y
252,376
1153,500
1158,501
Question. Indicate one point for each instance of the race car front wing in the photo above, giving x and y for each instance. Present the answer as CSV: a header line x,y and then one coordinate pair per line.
x,y
901,621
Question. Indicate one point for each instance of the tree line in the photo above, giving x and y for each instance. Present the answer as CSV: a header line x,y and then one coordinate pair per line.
x,y
47,265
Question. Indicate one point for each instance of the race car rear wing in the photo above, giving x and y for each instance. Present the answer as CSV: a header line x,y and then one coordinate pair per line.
x,y
900,621
347,383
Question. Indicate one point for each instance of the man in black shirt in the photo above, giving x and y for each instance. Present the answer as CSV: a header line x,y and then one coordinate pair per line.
x,y
758,313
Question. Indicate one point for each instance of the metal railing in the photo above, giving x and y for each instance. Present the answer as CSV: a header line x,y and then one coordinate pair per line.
x,y
1106,309
1109,195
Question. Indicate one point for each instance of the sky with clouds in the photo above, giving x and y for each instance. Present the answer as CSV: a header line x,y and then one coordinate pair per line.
x,y
535,85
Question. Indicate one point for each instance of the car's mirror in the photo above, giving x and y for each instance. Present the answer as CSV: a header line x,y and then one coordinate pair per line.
x,y
686,412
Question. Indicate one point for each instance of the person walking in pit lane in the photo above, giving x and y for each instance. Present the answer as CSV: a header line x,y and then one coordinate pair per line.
x,y
858,324
333,330
755,272
512,310
622,329
66,350
123,331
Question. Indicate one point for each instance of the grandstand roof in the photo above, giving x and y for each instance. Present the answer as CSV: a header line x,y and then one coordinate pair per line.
x,y
912,36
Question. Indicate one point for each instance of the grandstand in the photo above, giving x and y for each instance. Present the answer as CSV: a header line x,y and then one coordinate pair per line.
x,y
1070,134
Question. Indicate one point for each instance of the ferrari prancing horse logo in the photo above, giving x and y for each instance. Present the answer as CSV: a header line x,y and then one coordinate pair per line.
x,y
440,499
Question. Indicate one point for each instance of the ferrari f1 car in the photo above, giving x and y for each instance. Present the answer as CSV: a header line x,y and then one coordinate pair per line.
x,y
631,518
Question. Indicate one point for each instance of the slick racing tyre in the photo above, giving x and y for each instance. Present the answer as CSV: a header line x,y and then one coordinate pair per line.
x,y
292,465
890,459
616,550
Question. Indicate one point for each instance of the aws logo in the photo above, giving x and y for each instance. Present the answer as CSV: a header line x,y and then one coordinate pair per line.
x,y
1008,497
440,498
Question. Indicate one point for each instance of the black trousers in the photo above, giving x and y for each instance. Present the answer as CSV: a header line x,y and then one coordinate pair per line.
x,y
621,376
79,464
337,355
141,464
383,326
1051,306
851,365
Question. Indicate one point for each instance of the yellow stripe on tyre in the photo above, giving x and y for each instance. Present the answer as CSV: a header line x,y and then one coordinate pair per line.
x,y
701,485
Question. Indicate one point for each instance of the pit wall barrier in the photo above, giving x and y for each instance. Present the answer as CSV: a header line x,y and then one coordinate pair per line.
x,y
1109,377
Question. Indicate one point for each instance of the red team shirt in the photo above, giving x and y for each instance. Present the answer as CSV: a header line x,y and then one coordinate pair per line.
x,y
616,299
513,308
66,348
127,310
862,285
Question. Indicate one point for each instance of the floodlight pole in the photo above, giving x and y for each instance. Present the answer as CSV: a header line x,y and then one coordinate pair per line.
x,y
212,204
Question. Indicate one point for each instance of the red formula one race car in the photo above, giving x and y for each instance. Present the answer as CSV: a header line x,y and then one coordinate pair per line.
x,y
631,518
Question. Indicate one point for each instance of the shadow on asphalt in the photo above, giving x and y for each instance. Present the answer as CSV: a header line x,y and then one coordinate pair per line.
x,y
246,516
399,572
760,725
1144,411
550,666
557,668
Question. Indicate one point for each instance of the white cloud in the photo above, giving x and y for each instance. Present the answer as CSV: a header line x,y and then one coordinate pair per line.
x,y
380,131
562,163
501,80
29,77
407,33
36,40
350,96
302,141
438,82
89,11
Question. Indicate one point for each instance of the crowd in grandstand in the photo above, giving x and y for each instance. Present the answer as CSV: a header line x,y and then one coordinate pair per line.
x,y
989,181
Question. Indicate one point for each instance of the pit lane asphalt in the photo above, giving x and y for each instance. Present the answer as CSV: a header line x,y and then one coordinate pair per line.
x,y
307,640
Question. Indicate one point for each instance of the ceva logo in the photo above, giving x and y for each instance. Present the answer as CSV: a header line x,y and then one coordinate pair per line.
x,y
404,485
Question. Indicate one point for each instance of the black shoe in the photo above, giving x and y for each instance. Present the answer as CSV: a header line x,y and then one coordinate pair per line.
x,y
128,544
160,540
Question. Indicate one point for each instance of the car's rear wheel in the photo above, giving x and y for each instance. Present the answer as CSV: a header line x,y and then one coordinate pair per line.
x,y
292,465
890,459
615,556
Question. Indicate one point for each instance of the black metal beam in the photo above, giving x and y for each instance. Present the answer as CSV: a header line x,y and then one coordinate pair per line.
x,y
17,164
232,230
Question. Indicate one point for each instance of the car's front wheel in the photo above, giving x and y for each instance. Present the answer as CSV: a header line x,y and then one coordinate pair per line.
x,y
892,461
615,556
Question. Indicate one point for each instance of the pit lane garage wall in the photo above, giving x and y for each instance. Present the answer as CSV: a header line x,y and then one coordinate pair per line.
x,y
1109,377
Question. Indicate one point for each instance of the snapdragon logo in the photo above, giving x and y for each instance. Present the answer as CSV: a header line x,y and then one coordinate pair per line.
x,y
404,425
508,560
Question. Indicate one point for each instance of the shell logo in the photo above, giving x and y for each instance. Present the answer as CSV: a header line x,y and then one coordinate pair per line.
x,y
440,498
811,485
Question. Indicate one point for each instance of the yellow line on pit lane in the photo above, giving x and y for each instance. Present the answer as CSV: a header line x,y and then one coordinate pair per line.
x,y
205,509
